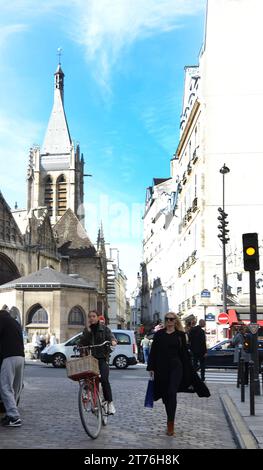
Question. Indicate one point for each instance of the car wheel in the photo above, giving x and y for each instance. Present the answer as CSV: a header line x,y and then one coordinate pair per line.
x,y
121,362
59,360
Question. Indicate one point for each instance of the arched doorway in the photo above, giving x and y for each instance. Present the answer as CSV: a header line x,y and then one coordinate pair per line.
x,y
37,321
8,269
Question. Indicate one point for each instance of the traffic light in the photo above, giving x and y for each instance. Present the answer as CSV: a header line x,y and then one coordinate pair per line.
x,y
247,346
250,251
223,231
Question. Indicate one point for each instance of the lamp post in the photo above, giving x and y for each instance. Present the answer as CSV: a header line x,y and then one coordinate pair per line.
x,y
223,235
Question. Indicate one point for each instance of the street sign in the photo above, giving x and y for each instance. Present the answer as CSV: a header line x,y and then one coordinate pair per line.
x,y
209,317
205,293
222,318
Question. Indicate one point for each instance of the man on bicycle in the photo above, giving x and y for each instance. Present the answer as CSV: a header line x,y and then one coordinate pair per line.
x,y
96,333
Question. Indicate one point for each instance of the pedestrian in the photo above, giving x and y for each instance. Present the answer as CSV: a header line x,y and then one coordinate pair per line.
x,y
96,333
53,339
12,367
170,365
47,339
145,344
197,344
43,342
36,344
239,353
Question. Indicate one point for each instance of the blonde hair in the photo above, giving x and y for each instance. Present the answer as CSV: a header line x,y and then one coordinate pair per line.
x,y
178,324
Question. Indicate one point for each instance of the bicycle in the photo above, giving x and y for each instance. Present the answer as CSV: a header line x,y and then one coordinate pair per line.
x,y
93,409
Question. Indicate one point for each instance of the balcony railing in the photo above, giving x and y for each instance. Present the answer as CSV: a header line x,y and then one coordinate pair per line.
x,y
189,213
194,204
195,155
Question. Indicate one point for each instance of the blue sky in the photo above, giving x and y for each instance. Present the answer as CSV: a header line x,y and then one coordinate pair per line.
x,y
124,70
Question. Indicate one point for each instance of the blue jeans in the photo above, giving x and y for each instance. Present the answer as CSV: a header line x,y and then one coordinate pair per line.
x,y
146,354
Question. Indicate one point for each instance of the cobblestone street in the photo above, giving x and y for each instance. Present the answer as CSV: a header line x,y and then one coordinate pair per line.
x,y
49,410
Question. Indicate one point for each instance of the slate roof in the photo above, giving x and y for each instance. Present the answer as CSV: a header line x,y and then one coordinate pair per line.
x,y
72,237
47,278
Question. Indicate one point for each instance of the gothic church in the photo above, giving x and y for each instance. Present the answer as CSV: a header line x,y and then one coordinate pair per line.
x,y
51,274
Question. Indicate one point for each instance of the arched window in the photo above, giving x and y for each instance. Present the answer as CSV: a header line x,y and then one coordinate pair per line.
x,y
14,312
61,195
37,315
48,196
76,316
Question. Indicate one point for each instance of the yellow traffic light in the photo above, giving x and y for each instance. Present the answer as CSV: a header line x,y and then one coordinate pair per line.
x,y
250,251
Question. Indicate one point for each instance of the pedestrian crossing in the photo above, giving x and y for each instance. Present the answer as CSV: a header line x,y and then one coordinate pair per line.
x,y
221,377
214,375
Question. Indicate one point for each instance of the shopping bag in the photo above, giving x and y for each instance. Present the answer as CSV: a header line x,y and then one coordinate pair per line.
x,y
148,402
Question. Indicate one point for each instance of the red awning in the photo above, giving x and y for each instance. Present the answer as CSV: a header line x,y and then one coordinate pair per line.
x,y
232,318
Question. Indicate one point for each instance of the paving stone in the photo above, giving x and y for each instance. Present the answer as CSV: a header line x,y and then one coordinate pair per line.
x,y
49,410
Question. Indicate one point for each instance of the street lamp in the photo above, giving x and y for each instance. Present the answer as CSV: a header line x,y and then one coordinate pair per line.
x,y
223,235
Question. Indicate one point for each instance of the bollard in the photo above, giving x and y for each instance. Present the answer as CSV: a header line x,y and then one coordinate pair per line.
x,y
242,379
252,388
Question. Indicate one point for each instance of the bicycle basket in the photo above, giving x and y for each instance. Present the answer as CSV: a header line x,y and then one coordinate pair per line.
x,y
80,367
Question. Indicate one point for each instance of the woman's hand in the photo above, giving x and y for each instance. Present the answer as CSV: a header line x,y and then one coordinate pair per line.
x,y
114,343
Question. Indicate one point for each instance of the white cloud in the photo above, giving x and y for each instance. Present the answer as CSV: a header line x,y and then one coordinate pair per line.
x,y
106,27
9,30
16,134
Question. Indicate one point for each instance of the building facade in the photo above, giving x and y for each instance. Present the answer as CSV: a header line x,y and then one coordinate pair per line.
x,y
220,124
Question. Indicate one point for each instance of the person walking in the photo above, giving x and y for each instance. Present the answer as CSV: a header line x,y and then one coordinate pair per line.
x,y
145,344
238,343
96,333
170,365
52,339
12,367
36,343
197,343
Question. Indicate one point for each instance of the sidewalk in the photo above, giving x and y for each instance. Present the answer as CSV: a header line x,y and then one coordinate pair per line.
x,y
247,429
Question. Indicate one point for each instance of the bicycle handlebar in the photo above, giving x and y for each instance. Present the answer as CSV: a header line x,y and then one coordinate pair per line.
x,y
94,345
90,346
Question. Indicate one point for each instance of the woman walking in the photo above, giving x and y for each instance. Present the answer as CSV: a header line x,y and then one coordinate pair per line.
x,y
96,333
170,365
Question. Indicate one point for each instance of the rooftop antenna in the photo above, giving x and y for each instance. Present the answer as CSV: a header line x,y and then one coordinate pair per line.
x,y
59,55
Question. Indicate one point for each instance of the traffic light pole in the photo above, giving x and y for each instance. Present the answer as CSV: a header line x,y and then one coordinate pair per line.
x,y
224,279
224,170
253,320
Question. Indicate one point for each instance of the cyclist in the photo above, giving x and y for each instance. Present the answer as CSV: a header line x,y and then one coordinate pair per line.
x,y
96,333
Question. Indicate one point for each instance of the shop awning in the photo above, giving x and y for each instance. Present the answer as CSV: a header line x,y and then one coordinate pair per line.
x,y
242,315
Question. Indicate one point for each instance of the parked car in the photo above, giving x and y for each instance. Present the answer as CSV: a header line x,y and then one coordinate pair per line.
x,y
122,356
221,355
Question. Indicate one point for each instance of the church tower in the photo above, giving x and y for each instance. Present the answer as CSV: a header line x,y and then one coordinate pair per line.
x,y
55,171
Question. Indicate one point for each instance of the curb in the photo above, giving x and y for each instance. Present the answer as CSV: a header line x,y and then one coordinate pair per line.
x,y
242,434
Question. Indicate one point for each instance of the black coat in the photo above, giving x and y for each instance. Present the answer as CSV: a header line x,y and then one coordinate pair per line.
x,y
160,364
97,335
197,341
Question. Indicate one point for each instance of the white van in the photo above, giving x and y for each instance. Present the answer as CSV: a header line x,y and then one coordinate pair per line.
x,y
123,355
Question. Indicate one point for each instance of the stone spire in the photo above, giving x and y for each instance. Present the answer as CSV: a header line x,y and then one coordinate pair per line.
x,y
57,139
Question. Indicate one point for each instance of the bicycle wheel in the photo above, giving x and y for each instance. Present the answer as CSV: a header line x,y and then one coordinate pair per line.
x,y
90,410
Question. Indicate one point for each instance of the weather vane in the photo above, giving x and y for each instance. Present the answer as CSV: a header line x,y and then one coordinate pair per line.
x,y
59,54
